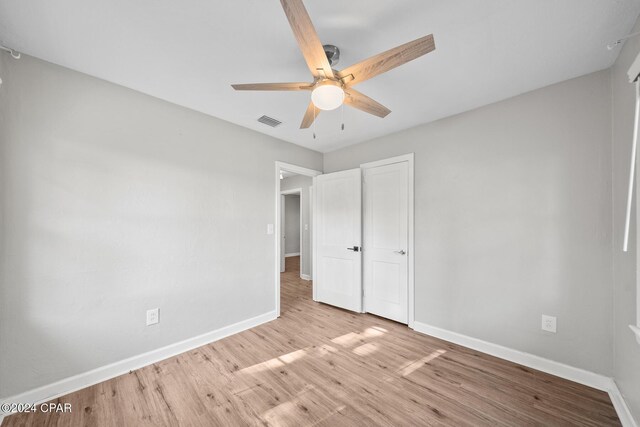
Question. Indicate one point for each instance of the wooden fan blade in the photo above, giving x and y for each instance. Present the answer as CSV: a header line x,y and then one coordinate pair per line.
x,y
307,38
388,60
362,102
309,116
273,86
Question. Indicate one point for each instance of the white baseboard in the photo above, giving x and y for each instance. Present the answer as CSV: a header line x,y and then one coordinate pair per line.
x,y
582,376
626,418
578,375
305,277
292,254
86,379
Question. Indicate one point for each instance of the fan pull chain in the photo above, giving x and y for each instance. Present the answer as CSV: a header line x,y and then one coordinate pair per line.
x,y
342,116
314,121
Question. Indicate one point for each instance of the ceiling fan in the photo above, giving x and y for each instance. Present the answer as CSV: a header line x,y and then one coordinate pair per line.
x,y
331,88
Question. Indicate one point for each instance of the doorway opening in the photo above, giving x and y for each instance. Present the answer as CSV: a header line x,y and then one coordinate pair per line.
x,y
294,226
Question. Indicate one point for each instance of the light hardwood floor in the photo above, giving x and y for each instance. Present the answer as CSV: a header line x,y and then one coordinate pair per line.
x,y
322,366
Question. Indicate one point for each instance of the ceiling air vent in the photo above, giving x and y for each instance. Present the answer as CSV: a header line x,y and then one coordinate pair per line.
x,y
269,121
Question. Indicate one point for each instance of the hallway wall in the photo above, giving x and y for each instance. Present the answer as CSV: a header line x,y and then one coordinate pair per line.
x,y
292,224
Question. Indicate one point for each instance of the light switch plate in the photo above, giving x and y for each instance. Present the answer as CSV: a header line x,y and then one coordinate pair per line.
x,y
269,228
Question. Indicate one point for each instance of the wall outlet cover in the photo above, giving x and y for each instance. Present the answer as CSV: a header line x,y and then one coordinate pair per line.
x,y
153,316
549,323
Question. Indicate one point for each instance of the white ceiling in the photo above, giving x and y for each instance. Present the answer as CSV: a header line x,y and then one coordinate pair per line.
x,y
188,52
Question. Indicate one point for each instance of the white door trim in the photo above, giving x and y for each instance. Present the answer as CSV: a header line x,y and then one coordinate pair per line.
x,y
300,171
311,237
410,159
292,191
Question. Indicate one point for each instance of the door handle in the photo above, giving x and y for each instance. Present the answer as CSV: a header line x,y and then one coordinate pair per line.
x,y
355,249
401,252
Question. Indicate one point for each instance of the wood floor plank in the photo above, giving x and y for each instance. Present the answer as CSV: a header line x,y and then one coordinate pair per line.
x,y
321,366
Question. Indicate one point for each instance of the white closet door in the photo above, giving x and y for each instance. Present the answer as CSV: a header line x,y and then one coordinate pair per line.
x,y
386,223
338,228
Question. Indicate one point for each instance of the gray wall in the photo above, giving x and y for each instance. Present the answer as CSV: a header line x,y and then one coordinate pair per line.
x,y
292,224
305,183
114,202
626,351
513,220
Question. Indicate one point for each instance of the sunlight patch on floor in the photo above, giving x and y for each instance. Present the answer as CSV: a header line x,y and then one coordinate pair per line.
x,y
353,338
325,349
286,359
293,356
374,332
411,367
366,349
347,340
274,363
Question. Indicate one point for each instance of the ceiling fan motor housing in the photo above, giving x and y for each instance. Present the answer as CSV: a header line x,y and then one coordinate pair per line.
x,y
333,53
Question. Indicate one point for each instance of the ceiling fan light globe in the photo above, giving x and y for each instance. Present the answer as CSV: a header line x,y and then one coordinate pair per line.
x,y
327,96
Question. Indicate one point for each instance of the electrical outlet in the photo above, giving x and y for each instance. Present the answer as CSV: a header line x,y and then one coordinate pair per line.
x,y
153,316
549,323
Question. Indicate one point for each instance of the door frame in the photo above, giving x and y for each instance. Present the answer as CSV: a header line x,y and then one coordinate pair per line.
x,y
282,166
409,158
